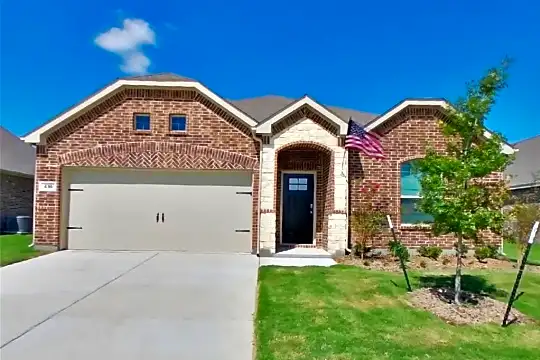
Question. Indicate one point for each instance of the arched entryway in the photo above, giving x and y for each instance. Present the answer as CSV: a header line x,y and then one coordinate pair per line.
x,y
304,195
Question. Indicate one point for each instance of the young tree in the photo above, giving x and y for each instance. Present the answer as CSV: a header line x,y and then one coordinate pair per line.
x,y
453,190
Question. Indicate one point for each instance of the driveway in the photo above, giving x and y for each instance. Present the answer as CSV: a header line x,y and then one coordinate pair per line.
x,y
128,305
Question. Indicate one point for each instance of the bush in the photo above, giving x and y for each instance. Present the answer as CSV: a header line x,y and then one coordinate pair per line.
x,y
485,252
399,250
423,264
432,252
522,218
367,221
446,261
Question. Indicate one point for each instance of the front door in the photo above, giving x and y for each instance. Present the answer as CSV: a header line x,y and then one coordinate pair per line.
x,y
297,208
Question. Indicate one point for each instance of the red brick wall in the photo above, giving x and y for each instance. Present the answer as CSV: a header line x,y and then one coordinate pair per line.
x,y
105,137
404,138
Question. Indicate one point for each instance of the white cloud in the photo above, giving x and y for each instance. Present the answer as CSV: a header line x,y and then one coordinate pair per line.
x,y
135,63
127,42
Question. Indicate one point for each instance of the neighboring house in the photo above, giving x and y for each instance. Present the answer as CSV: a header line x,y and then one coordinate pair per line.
x,y
524,172
17,162
162,162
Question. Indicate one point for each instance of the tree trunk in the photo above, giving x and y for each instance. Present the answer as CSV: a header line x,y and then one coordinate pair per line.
x,y
459,265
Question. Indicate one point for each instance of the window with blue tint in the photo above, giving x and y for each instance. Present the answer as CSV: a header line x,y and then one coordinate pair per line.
x,y
178,122
410,195
410,182
142,121
410,214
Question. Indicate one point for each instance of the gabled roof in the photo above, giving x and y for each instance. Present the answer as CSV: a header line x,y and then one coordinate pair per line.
x,y
265,126
444,104
261,108
526,166
159,80
159,77
16,156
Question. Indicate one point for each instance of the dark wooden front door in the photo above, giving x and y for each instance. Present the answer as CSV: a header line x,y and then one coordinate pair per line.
x,y
297,209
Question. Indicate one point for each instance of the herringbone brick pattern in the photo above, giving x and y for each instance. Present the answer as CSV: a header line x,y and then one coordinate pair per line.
x,y
165,155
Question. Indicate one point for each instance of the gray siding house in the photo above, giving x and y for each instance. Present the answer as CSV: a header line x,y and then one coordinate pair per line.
x,y
524,172
17,164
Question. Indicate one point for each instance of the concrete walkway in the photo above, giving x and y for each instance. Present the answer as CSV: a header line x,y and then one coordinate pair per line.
x,y
128,305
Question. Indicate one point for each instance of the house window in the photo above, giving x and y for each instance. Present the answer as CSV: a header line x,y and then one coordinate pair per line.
x,y
410,194
297,184
178,122
142,122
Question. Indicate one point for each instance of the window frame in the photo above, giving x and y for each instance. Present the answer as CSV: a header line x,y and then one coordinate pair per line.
x,y
171,116
135,115
402,196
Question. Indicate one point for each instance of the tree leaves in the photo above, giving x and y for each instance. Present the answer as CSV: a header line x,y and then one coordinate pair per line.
x,y
455,190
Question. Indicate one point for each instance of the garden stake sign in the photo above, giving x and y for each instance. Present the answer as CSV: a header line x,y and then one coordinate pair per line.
x,y
401,261
520,273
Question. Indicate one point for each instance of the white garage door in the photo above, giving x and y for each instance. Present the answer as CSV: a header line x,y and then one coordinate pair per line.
x,y
121,209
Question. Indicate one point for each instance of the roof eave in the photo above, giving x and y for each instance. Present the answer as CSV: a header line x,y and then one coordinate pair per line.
x,y
38,136
506,148
265,127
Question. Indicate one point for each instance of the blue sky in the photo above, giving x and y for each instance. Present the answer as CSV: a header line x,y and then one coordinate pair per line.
x,y
366,55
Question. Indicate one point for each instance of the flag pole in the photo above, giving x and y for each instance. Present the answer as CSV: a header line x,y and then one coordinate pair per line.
x,y
520,273
400,255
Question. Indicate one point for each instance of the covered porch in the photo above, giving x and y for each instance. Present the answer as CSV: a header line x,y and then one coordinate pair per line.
x,y
303,191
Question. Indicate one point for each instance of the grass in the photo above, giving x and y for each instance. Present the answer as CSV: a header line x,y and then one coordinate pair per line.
x,y
345,313
14,248
511,251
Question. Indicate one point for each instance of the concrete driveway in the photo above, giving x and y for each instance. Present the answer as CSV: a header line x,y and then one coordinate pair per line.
x,y
128,305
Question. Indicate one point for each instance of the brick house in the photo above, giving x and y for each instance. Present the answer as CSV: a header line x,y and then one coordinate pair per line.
x,y
162,162
17,161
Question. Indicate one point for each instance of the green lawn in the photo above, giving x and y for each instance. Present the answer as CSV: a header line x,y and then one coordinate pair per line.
x,y
346,313
14,248
510,249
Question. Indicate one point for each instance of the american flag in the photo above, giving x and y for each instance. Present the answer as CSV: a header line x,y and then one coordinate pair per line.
x,y
367,142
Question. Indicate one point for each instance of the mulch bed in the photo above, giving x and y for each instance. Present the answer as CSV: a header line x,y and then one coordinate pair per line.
x,y
444,263
476,309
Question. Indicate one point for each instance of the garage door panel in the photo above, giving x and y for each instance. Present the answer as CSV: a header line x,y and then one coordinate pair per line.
x,y
196,211
111,217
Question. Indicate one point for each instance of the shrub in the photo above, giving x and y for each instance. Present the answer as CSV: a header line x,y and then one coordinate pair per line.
x,y
445,261
485,252
481,253
432,252
423,264
399,250
367,220
522,218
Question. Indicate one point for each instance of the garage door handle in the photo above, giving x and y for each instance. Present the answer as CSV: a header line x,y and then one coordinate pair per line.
x,y
162,217
242,230
157,217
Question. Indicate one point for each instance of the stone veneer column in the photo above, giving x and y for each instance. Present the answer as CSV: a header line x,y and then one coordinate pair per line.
x,y
337,221
268,213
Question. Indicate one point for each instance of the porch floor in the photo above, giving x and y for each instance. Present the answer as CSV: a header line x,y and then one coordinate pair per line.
x,y
296,261
303,253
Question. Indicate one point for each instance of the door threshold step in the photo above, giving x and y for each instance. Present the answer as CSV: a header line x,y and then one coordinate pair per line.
x,y
303,253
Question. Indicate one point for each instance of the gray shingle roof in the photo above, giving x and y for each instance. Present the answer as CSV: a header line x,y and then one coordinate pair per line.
x,y
159,77
15,155
527,163
260,108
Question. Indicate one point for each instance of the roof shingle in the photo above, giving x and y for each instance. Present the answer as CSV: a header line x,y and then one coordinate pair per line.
x,y
260,108
15,155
